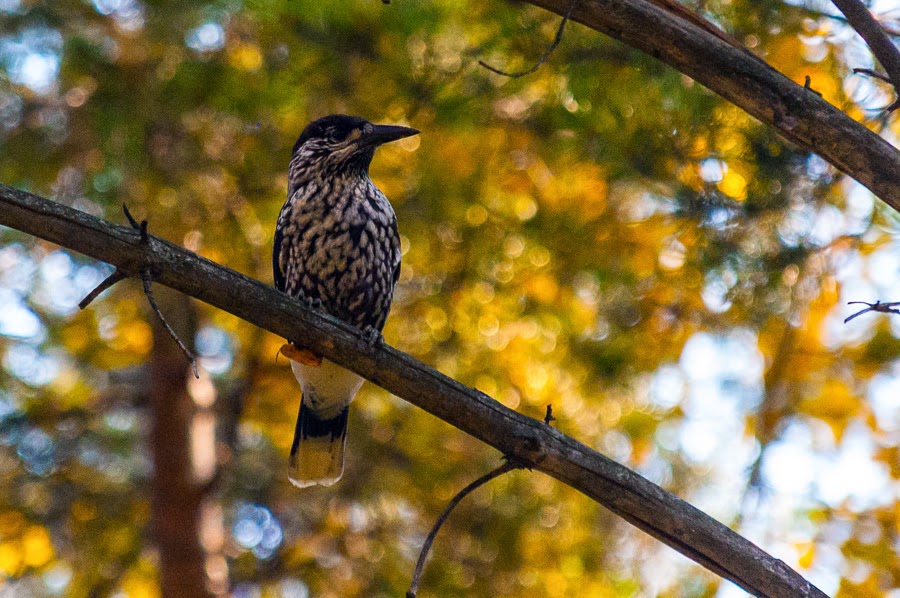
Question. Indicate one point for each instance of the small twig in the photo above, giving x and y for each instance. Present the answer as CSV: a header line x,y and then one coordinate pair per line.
x,y
548,417
881,77
117,275
147,279
807,87
890,29
142,227
131,220
872,73
546,55
109,281
509,465
878,306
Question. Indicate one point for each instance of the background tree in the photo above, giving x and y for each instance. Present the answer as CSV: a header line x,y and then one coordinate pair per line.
x,y
602,235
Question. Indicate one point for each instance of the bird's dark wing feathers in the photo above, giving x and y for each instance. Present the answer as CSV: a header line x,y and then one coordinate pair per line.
x,y
396,244
280,280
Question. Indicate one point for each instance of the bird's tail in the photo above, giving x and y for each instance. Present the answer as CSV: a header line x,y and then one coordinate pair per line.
x,y
317,454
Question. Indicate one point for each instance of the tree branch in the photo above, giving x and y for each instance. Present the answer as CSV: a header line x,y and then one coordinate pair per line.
x,y
873,73
529,441
878,306
107,283
881,45
748,82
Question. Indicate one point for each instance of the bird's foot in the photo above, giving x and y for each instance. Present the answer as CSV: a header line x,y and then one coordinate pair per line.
x,y
372,336
304,356
312,303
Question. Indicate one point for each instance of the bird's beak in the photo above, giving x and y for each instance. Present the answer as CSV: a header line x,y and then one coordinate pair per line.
x,y
385,133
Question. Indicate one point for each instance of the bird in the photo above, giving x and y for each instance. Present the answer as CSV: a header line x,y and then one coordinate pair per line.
x,y
337,249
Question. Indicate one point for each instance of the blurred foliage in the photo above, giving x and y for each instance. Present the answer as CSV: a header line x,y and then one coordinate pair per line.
x,y
603,235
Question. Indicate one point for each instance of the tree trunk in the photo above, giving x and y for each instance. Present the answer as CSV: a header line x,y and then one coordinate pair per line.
x,y
176,498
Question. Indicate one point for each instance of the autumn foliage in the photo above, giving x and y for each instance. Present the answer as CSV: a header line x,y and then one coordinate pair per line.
x,y
603,235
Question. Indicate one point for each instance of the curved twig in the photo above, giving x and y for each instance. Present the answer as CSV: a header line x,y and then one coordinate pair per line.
x,y
147,279
509,465
547,52
109,281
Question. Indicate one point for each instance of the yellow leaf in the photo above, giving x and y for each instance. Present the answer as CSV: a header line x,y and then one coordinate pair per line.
x,y
733,185
807,554
10,558
37,548
246,57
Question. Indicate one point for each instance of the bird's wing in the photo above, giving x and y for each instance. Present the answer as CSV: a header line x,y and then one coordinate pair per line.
x,y
280,279
397,254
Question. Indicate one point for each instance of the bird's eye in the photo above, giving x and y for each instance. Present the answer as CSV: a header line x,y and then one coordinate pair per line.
x,y
353,135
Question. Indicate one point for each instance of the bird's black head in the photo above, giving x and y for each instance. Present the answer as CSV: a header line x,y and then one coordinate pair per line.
x,y
340,144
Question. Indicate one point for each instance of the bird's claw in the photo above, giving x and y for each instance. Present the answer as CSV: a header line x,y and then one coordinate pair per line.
x,y
312,302
372,336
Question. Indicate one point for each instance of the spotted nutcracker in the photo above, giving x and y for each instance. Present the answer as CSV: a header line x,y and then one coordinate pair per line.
x,y
336,248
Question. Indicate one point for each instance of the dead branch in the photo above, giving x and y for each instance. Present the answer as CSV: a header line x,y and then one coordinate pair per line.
x,y
108,282
544,56
147,279
873,73
146,276
508,465
878,306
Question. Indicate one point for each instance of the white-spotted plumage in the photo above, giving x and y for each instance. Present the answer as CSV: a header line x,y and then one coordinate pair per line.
x,y
337,247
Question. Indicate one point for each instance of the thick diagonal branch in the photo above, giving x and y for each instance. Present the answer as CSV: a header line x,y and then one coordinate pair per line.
x,y
881,45
532,442
748,82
